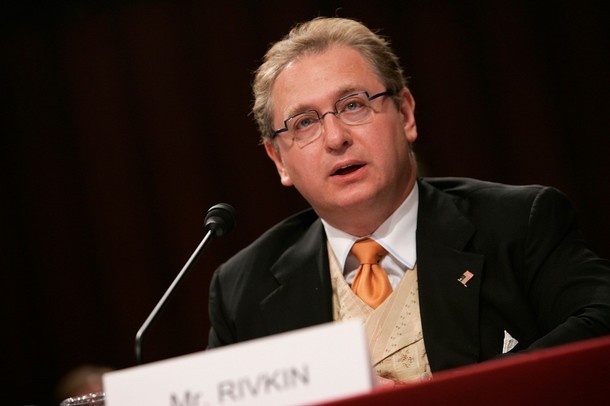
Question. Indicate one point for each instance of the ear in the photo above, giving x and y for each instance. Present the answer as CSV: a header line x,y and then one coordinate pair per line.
x,y
273,151
407,108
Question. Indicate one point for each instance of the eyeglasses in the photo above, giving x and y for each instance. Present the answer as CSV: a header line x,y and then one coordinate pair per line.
x,y
354,109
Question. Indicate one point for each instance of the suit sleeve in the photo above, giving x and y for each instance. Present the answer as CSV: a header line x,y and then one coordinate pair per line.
x,y
568,286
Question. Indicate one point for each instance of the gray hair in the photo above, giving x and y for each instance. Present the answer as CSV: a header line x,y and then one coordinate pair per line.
x,y
318,35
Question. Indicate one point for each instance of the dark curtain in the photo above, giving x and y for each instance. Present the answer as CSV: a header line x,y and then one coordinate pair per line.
x,y
124,121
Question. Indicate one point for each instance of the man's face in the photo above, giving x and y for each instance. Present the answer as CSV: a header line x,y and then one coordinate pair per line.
x,y
363,170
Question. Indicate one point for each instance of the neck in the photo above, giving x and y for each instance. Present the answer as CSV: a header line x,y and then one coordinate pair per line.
x,y
364,220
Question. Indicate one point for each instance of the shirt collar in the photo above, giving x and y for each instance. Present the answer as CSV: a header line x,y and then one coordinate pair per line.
x,y
396,234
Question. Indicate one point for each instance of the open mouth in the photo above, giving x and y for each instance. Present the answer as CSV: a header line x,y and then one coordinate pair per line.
x,y
344,170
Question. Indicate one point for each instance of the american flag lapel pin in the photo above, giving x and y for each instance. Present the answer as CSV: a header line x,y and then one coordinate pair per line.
x,y
466,276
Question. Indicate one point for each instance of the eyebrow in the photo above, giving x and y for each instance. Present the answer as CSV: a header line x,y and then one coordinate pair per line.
x,y
342,92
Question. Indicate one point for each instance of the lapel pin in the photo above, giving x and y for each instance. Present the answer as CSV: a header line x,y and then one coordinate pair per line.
x,y
466,276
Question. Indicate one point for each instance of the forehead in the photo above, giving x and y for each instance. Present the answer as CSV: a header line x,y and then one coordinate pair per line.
x,y
316,79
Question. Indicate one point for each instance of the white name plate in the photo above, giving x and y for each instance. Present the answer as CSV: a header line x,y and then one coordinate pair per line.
x,y
312,365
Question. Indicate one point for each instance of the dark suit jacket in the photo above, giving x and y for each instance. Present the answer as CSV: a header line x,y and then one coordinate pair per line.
x,y
533,274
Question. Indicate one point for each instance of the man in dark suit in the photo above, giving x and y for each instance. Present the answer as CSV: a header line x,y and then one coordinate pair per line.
x,y
491,268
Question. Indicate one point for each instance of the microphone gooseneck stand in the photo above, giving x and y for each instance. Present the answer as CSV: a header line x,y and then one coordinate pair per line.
x,y
219,221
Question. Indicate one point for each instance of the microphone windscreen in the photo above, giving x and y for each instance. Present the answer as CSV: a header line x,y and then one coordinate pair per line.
x,y
221,219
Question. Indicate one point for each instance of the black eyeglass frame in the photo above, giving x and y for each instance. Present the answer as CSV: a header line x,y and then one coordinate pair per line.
x,y
334,112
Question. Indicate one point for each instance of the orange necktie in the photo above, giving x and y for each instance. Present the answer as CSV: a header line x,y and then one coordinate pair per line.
x,y
371,283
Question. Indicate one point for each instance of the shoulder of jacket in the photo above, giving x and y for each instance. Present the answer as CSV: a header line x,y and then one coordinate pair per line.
x,y
276,239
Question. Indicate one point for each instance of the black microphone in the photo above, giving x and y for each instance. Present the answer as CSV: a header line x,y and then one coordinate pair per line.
x,y
220,220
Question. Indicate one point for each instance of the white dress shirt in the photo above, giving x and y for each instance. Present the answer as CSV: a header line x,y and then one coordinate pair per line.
x,y
396,234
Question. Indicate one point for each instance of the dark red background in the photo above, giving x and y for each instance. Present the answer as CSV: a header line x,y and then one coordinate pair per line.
x,y
124,121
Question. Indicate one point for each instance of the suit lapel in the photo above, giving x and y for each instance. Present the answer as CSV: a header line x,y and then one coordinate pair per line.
x,y
303,297
449,310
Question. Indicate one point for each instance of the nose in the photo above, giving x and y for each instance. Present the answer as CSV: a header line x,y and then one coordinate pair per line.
x,y
335,133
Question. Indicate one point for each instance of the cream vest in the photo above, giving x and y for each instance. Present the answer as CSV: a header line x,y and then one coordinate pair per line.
x,y
394,329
